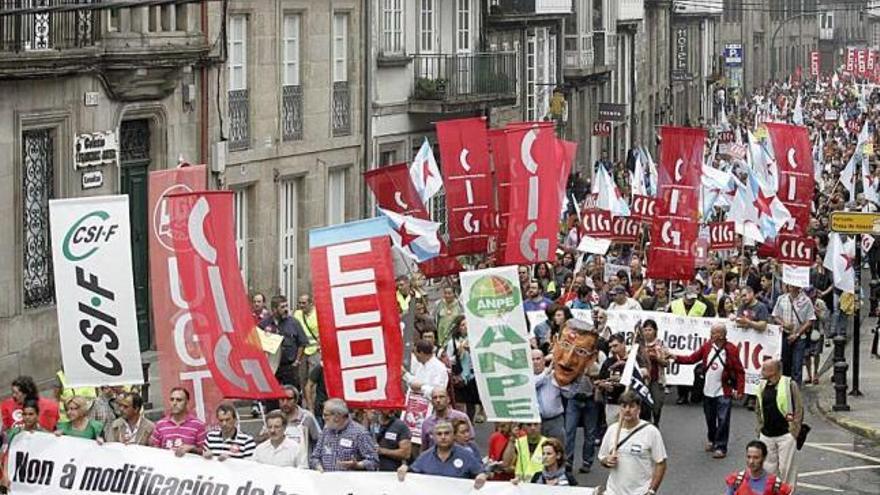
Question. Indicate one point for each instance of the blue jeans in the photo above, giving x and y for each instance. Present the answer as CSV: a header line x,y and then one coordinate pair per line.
x,y
717,411
581,413
798,351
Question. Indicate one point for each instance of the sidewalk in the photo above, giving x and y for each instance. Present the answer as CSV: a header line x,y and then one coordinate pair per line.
x,y
864,417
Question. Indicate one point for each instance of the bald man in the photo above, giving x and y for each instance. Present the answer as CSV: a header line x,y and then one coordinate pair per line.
x,y
780,414
725,382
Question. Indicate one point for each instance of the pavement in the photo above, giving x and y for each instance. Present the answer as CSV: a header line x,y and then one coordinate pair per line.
x,y
863,417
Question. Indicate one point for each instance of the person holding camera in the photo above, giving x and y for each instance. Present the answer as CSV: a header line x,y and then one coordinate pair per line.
x,y
725,380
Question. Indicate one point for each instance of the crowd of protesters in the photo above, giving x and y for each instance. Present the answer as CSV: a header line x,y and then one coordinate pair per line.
x,y
620,430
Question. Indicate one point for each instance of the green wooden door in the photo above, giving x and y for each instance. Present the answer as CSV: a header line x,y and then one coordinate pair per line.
x,y
134,158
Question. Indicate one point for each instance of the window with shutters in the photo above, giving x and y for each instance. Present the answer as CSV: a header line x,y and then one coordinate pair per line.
x,y
238,97
336,195
288,223
392,26
240,214
291,90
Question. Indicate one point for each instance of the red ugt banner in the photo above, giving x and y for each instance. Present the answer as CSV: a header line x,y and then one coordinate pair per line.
x,y
362,347
394,190
467,178
204,241
794,157
180,360
534,197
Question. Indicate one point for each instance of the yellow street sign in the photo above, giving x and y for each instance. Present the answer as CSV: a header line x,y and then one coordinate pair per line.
x,y
848,222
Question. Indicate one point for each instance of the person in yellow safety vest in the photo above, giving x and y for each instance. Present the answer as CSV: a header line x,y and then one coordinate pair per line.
x,y
526,454
689,305
404,293
306,315
63,392
780,415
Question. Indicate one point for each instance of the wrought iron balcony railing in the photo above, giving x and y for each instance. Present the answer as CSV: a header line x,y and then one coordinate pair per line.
x,y
464,77
24,27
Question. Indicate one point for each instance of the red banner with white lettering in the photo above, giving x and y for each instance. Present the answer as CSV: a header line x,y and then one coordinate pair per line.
x,y
850,59
672,254
533,218
681,167
361,342
180,360
796,250
204,241
722,235
862,62
501,169
394,190
626,230
643,207
467,178
596,223
794,158
814,63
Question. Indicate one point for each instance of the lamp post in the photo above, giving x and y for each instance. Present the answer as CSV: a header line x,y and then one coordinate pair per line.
x,y
773,40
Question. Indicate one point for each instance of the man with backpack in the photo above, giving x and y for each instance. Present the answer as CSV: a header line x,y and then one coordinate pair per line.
x,y
725,380
754,480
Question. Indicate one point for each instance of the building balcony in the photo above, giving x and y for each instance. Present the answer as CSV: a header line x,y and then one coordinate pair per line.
x,y
584,57
518,11
460,82
51,38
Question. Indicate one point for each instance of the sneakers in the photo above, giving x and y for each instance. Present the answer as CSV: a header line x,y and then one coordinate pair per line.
x,y
709,447
719,454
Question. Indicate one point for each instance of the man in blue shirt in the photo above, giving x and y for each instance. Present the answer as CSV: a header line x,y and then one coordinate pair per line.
x,y
446,458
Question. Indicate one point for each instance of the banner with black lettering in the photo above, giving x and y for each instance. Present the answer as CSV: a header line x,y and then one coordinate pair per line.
x,y
685,334
94,291
40,463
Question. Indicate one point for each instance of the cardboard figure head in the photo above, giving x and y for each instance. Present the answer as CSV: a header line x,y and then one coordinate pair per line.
x,y
574,351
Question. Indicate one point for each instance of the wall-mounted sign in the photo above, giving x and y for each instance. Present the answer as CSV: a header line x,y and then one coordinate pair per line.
x,y
613,112
602,129
95,149
682,46
733,54
92,179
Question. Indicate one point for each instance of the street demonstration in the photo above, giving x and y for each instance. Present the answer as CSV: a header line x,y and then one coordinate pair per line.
x,y
529,339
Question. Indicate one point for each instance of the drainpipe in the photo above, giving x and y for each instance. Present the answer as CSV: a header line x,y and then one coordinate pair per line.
x,y
203,90
368,99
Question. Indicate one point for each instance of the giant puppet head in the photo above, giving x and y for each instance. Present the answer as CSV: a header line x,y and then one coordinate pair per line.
x,y
574,350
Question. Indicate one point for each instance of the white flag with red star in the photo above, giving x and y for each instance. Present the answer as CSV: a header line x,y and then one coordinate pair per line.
x,y
424,173
840,259
415,237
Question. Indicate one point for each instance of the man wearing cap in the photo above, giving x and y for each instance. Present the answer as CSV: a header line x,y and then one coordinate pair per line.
x,y
688,305
621,300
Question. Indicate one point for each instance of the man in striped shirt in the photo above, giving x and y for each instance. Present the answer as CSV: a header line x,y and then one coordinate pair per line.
x,y
228,441
180,431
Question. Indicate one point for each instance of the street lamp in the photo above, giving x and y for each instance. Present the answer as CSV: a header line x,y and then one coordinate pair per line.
x,y
773,40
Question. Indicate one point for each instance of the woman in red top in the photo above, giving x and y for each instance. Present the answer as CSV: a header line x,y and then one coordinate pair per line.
x,y
498,441
24,388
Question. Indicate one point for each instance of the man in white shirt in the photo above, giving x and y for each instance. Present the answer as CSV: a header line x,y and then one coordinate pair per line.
x,y
428,373
279,450
637,462
622,301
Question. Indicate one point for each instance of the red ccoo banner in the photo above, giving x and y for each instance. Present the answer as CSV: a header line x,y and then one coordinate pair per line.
x,y
467,178
204,241
361,343
181,362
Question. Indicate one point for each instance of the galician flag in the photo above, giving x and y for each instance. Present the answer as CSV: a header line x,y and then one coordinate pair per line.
x,y
415,237
840,259
608,195
424,173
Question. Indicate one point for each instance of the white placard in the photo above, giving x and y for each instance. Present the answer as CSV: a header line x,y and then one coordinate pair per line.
x,y
95,149
798,276
685,334
94,291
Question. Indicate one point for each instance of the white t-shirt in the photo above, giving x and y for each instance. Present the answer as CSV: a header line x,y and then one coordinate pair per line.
x,y
630,304
712,387
287,454
431,375
298,435
636,459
